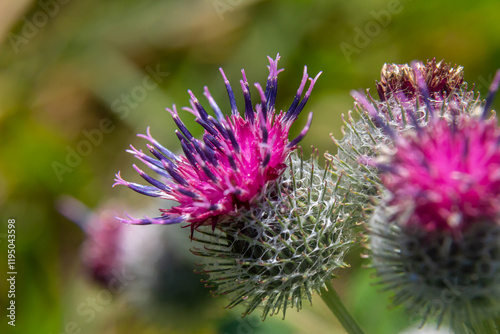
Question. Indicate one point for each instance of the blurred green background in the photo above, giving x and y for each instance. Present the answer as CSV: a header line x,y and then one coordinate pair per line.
x,y
66,67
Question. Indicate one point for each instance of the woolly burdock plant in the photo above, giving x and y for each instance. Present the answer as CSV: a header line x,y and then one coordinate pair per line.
x,y
272,224
279,252
425,155
435,235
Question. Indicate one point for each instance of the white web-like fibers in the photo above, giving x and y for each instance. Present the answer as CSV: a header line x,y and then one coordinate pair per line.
x,y
281,251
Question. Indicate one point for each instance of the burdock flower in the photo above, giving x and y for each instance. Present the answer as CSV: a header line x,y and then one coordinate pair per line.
x,y
271,225
137,263
435,235
409,95
233,164
101,253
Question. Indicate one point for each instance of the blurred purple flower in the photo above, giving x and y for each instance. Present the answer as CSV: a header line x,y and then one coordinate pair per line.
x,y
102,250
436,231
233,164
449,175
447,171
149,266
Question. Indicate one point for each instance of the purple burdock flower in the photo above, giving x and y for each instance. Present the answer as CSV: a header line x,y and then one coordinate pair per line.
x,y
137,263
409,95
447,175
232,165
435,235
102,251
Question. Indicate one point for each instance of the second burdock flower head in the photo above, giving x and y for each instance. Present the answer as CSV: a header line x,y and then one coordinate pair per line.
x,y
231,167
435,234
408,94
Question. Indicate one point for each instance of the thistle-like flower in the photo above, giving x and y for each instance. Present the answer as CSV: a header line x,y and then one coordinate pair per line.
x,y
435,235
408,96
280,251
102,251
138,263
232,166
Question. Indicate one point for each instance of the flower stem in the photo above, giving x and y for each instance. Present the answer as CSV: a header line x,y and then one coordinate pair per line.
x,y
486,327
332,300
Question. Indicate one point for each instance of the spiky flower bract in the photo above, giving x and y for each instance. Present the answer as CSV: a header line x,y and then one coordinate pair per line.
x,y
435,235
282,250
231,167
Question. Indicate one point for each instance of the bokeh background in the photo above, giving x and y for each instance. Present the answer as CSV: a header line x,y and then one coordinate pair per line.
x,y
72,68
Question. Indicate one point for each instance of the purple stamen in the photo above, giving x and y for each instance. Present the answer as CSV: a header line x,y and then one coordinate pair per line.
x,y
263,126
156,144
233,140
372,112
141,189
205,153
207,126
165,220
213,104
292,116
303,132
249,113
151,180
212,142
422,87
186,148
143,157
230,156
263,104
296,100
186,192
207,171
232,100
201,111
179,123
266,159
491,94
210,154
157,154
158,170
218,126
272,81
176,176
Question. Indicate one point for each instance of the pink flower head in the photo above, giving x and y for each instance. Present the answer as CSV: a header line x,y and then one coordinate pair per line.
x,y
436,231
101,252
449,175
446,176
232,165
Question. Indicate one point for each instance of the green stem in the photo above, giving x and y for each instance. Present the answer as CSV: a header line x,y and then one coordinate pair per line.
x,y
486,327
332,300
